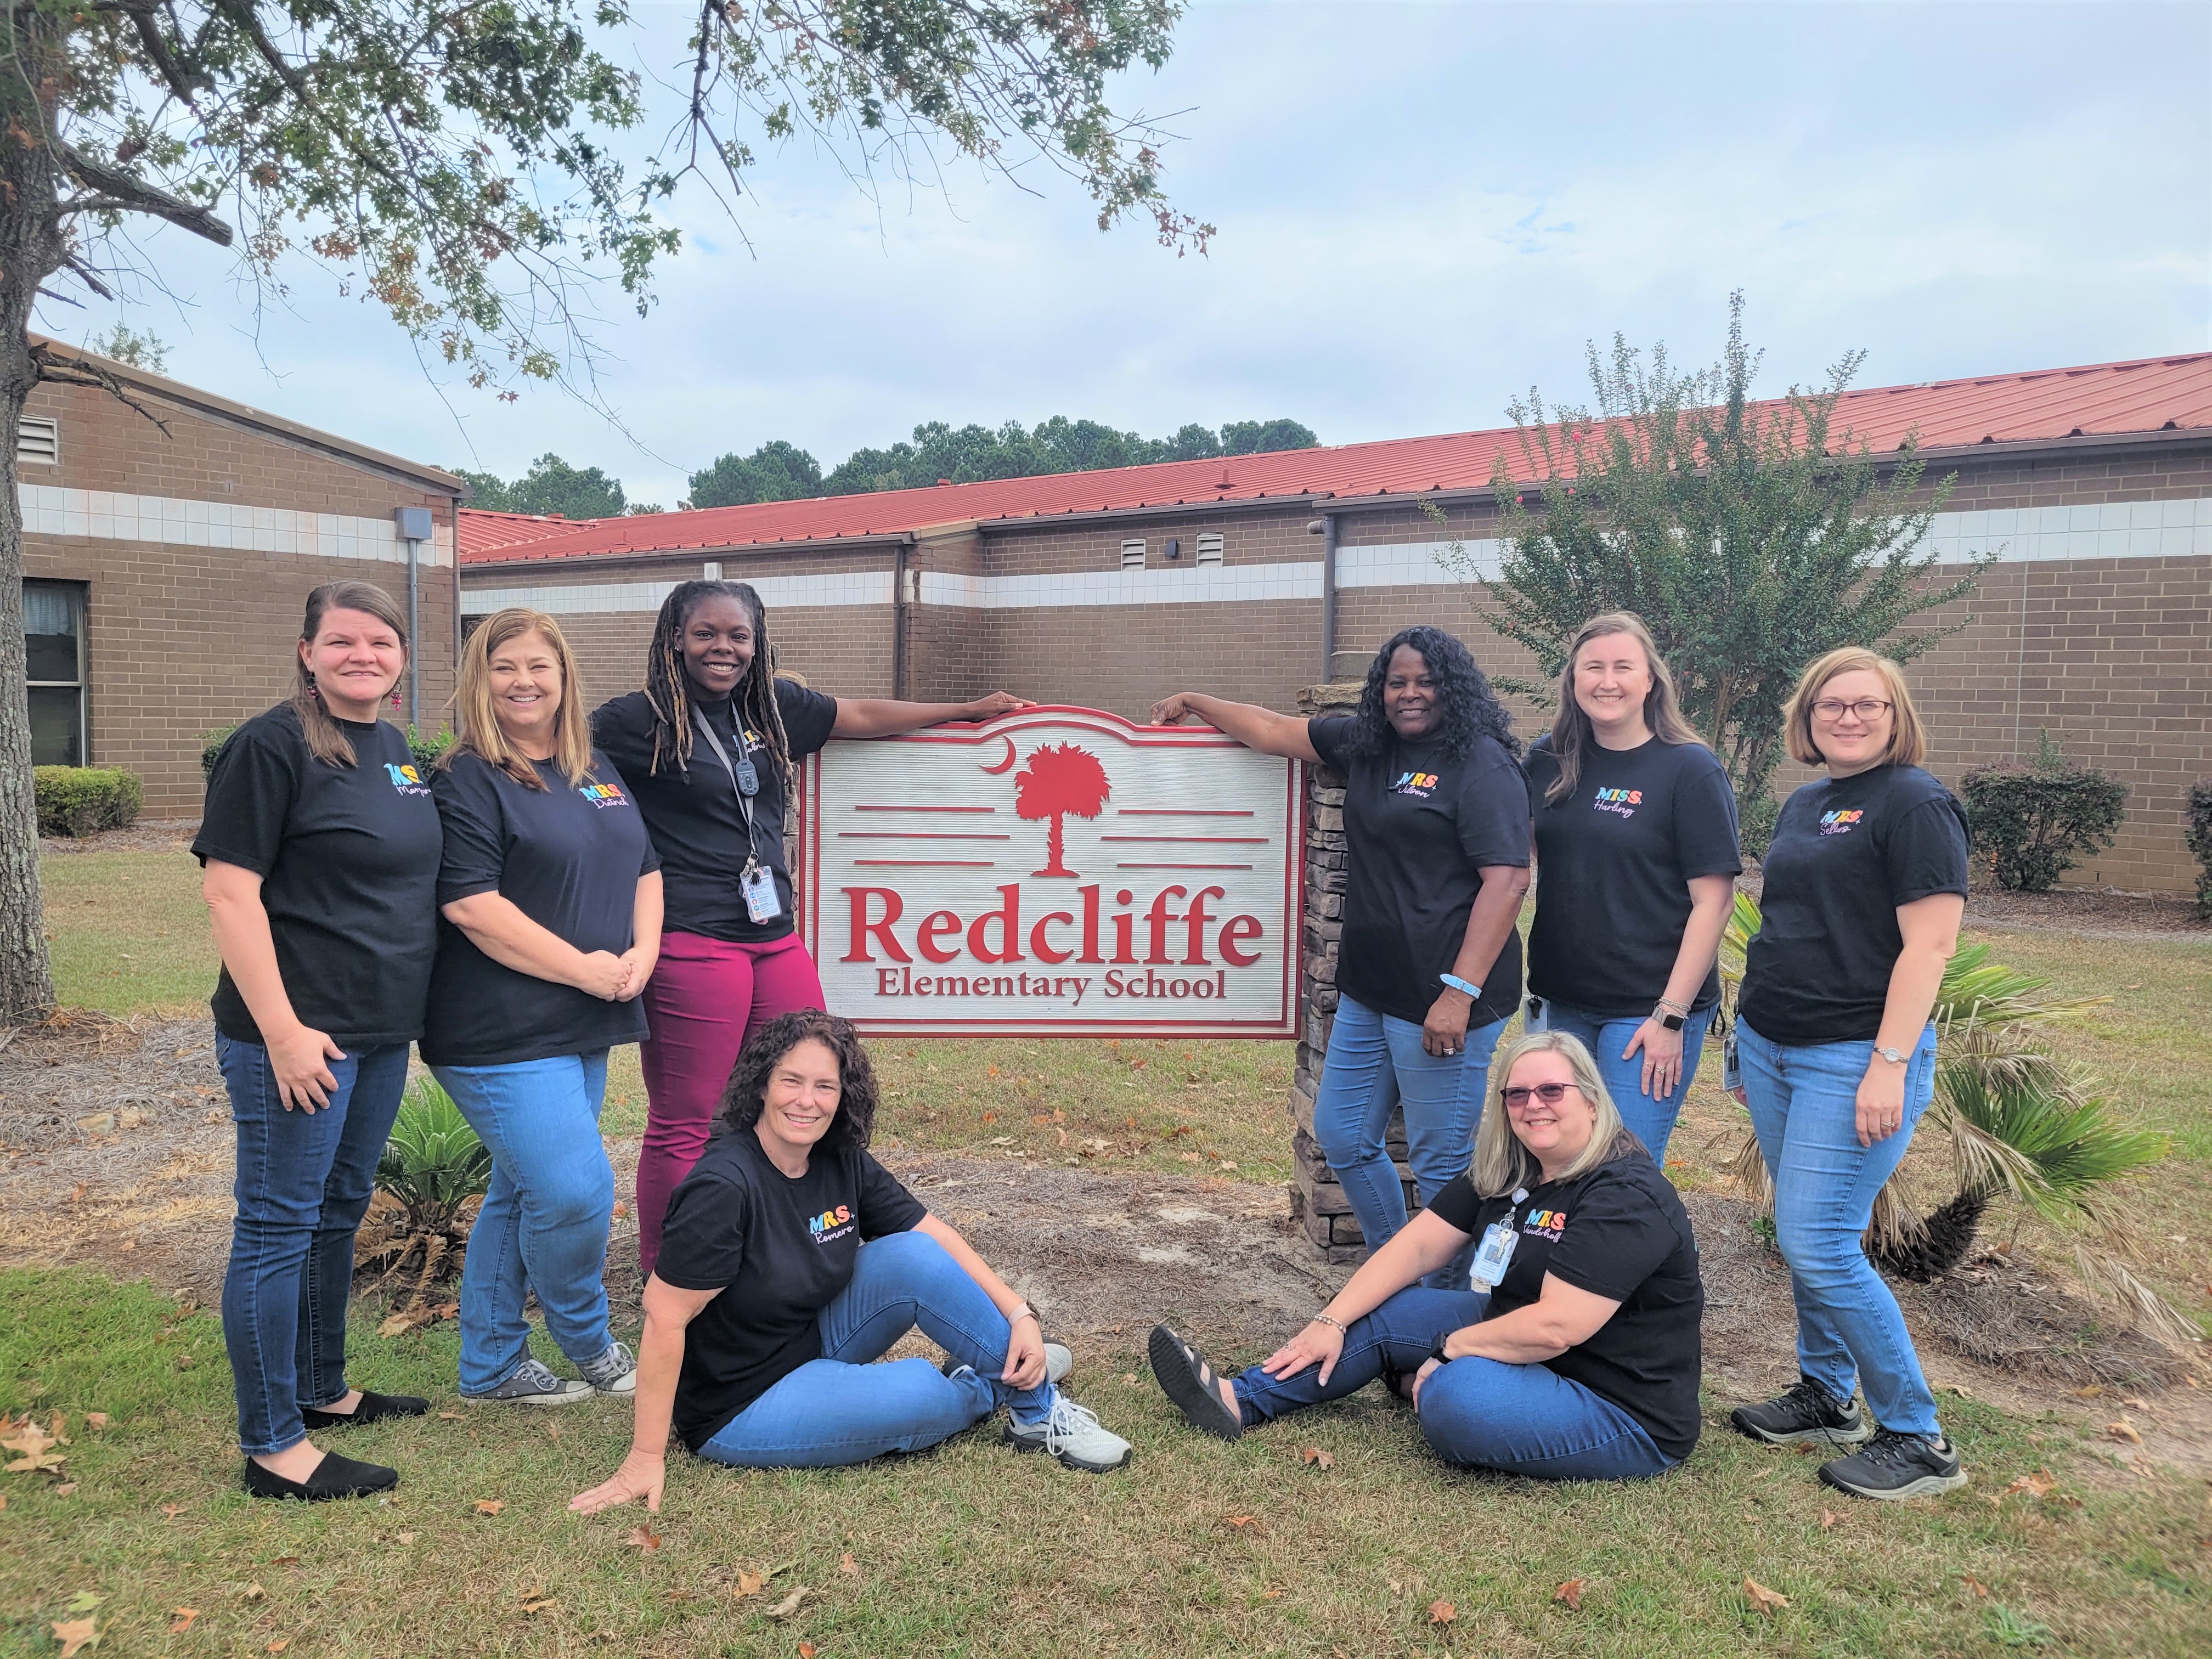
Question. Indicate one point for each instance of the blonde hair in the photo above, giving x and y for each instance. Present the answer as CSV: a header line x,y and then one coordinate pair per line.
x,y
1908,739
1502,1163
327,739
480,734
1572,735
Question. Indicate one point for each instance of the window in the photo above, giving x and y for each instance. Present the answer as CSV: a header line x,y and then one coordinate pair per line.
x,y
1209,548
1133,556
470,624
54,646
38,440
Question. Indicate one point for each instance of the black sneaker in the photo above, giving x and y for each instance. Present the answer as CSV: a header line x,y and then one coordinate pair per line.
x,y
1805,1411
1897,1465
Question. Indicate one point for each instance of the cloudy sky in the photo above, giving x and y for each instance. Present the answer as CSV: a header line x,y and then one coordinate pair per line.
x,y
1424,209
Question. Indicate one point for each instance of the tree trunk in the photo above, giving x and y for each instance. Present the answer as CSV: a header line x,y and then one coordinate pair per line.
x,y
32,246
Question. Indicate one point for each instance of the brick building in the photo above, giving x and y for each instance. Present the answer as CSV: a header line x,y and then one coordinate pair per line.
x,y
165,572
1254,576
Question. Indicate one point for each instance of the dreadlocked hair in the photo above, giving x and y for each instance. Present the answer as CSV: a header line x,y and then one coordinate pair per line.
x,y
1471,709
668,687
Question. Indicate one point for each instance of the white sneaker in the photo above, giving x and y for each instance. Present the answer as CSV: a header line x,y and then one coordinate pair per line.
x,y
532,1384
1074,1435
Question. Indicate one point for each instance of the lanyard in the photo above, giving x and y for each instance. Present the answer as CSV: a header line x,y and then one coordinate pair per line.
x,y
745,806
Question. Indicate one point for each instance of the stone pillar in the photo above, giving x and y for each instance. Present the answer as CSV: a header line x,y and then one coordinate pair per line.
x,y
1317,1202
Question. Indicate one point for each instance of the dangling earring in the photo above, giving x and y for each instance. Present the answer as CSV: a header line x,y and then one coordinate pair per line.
x,y
312,690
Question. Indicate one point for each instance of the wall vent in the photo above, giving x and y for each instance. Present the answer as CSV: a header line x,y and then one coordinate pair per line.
x,y
1209,547
712,570
38,440
1133,556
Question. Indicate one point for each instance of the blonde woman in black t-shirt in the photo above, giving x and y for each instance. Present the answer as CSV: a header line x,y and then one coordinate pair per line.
x,y
1865,887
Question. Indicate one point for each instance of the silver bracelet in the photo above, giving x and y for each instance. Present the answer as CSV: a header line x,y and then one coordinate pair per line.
x,y
1326,1319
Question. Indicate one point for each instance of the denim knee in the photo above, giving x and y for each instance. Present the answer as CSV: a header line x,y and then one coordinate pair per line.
x,y
913,1252
588,1200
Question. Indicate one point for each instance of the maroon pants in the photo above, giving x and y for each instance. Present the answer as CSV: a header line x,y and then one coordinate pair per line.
x,y
704,996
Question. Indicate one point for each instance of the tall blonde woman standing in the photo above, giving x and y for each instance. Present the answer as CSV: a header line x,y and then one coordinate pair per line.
x,y
1865,886
550,923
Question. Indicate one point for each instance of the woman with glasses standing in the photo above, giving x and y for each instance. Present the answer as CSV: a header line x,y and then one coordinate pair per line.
x,y
1866,884
1636,866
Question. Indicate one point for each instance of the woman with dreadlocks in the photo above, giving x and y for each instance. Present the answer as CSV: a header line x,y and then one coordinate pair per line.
x,y
1435,827
708,750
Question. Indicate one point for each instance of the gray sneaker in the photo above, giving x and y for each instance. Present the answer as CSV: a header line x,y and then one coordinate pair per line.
x,y
534,1385
1058,1363
1072,1434
614,1372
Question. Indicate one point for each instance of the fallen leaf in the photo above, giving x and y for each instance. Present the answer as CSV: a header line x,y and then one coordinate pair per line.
x,y
185,1361
407,1538
1829,1518
450,1417
990,1071
1958,1388
1764,1600
643,1537
490,1506
65,1489
806,1650
85,1601
990,1117
76,1633
621,1210
1317,1457
748,1584
2123,1432
1975,1585
253,1593
2037,1485
95,1419
2089,1391
1571,1594
399,1323
789,1605
552,1431
170,1511
282,1561
847,1564
181,1620
1441,1612
280,1644
541,1604
1241,1521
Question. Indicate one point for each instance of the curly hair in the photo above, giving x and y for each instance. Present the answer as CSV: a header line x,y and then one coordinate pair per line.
x,y
746,1096
1471,709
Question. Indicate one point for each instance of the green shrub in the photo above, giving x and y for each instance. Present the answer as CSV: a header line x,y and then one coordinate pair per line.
x,y
211,745
2032,822
76,800
2198,834
433,1163
426,749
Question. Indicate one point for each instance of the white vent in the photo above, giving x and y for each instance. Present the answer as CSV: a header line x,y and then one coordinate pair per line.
x,y
38,440
1209,548
712,570
1133,556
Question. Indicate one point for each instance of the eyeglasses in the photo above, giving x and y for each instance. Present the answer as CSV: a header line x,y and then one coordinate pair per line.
x,y
1550,1093
1870,709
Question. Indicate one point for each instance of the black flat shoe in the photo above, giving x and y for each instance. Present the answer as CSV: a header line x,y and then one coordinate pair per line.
x,y
334,1477
373,1407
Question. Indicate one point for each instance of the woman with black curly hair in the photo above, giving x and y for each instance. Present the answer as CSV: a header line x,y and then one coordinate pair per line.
x,y
1436,826
708,750
767,1306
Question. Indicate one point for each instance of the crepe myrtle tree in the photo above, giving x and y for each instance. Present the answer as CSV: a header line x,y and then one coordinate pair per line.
x,y
462,163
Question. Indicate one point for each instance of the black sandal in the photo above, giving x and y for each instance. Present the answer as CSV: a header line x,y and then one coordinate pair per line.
x,y
1399,1383
373,1407
1186,1378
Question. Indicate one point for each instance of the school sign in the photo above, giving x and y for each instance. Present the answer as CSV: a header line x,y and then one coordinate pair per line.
x,y
1055,872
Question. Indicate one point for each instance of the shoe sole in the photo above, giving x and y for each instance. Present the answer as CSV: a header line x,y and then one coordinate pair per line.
x,y
1850,1437
1201,1407
626,1386
566,1397
1067,1459
1928,1485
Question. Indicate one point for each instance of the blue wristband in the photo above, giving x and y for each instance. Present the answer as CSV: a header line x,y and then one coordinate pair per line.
x,y
1459,984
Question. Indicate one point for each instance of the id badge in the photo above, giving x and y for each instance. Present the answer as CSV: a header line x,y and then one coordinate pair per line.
x,y
758,886
1537,1018
1731,1067
1495,1256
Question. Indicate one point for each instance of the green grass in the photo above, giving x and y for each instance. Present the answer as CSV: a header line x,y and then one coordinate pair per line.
x,y
128,932
972,1550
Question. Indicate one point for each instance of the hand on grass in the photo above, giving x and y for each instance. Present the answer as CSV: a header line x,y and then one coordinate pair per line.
x,y
642,1475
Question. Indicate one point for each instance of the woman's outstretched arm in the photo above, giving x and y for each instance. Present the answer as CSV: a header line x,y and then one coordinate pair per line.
x,y
884,717
1254,727
659,1358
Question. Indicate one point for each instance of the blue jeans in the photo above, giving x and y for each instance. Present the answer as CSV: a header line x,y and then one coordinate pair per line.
x,y
545,1220
1804,1107
1376,1062
1481,1414
841,1409
1652,1118
304,1182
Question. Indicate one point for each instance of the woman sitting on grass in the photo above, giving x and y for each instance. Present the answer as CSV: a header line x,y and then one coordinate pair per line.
x,y
765,1307
1573,1355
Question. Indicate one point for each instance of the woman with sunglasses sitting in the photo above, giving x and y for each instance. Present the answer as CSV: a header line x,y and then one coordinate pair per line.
x,y
1571,1355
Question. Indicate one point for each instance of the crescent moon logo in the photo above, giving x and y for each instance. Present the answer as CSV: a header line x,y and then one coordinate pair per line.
x,y
1005,765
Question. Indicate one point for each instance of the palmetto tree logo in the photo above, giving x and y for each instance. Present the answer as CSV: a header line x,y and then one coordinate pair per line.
x,y
1060,780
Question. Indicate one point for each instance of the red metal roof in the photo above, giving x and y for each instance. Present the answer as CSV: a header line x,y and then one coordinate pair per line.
x,y
2150,394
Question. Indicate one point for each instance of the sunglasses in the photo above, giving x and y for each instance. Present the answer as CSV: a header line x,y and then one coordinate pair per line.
x,y
1550,1093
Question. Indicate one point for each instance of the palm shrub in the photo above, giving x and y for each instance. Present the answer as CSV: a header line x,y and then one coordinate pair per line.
x,y
2032,823
2020,1125
430,1179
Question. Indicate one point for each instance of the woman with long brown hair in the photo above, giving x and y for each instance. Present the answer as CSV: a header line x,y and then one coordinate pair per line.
x,y
1636,866
549,898
320,845
709,748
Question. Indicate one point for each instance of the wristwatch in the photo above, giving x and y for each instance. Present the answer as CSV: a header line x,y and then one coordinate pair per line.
x,y
1459,984
1893,1056
1668,1018
1436,1350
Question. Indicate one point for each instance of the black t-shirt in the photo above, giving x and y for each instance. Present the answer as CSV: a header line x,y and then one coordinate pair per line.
x,y
692,812
348,858
1613,864
1419,827
1619,1231
779,1250
568,857
1846,853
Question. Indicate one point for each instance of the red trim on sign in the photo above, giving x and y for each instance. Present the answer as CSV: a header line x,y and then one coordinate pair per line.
x,y
1182,867
1185,812
927,864
1215,840
919,835
923,809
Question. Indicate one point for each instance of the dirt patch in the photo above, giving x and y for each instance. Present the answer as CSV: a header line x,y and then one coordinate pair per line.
x,y
2077,912
147,835
115,1151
